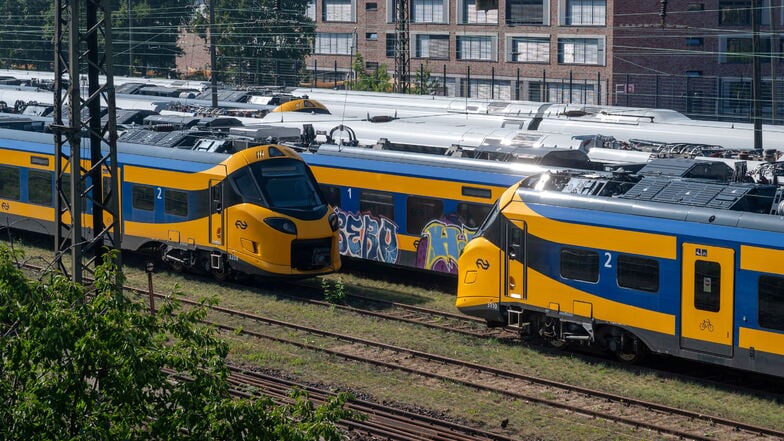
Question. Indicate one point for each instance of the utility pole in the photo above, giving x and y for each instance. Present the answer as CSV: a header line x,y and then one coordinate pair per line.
x,y
213,57
402,52
91,182
756,78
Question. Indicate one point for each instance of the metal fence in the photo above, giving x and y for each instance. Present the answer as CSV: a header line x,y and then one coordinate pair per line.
x,y
711,98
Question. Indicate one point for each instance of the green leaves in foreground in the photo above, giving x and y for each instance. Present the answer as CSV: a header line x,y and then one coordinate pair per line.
x,y
80,365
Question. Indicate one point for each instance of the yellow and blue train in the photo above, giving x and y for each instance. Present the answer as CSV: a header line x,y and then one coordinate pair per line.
x,y
632,264
258,211
416,210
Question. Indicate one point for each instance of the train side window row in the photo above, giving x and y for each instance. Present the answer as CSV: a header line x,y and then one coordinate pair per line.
x,y
39,185
631,271
175,202
419,210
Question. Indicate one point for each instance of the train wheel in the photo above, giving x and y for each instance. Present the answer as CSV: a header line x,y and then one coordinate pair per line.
x,y
632,349
222,274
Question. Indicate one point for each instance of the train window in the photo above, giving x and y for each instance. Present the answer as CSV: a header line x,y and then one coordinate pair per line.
x,y
246,186
175,203
331,193
143,197
472,215
707,286
580,265
638,273
377,203
771,302
39,185
9,183
420,211
477,192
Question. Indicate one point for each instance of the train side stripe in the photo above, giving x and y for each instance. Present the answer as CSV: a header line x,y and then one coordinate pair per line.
x,y
764,260
601,238
761,340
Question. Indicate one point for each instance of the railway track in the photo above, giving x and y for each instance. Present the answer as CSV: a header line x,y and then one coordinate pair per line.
x,y
383,421
640,414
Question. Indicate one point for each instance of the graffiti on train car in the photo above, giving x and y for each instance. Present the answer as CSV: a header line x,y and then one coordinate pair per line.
x,y
366,236
441,243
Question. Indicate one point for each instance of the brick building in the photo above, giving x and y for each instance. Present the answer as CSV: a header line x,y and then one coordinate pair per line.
x,y
688,55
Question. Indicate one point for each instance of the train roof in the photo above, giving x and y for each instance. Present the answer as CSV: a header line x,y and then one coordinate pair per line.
x,y
129,153
649,194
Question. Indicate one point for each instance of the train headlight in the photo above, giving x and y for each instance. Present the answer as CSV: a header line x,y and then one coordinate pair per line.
x,y
333,222
281,224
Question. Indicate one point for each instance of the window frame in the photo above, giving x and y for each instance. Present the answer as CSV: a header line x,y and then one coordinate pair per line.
x,y
601,49
765,317
35,176
169,199
513,39
370,199
579,260
630,269
545,5
493,40
136,197
11,169
704,300
421,210
439,37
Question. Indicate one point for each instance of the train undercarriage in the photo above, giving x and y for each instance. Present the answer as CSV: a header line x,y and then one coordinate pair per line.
x,y
560,332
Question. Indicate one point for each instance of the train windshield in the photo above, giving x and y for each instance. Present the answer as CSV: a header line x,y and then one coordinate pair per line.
x,y
285,185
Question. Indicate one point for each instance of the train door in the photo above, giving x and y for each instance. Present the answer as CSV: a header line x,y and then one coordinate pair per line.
x,y
217,227
515,260
707,299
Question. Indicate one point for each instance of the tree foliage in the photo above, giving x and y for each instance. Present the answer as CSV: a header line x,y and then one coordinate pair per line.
x,y
377,81
23,44
259,41
96,365
144,41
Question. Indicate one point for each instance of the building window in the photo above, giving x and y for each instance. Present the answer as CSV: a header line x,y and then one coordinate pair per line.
x,y
39,185
9,183
738,12
390,45
143,197
693,6
576,93
371,65
771,302
581,51
333,43
527,12
377,203
429,11
310,12
372,36
529,49
694,41
738,49
486,89
420,211
371,6
337,10
476,47
469,14
432,46
707,286
638,273
580,265
584,12
693,73
175,203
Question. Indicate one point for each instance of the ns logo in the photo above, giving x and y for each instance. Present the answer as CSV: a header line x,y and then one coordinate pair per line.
x,y
482,263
